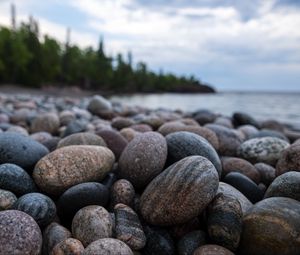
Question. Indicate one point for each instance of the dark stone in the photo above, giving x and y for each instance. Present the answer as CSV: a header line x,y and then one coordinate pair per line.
x,y
40,207
79,196
224,221
159,242
190,242
241,118
212,249
19,234
271,133
51,144
204,116
289,160
244,185
267,173
16,180
114,140
285,185
109,180
183,144
122,192
20,150
83,138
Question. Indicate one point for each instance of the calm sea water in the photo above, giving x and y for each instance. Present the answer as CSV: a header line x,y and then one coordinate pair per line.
x,y
281,106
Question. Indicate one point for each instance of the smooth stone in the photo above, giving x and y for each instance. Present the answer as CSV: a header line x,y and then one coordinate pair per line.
x,y
83,138
109,180
15,179
69,246
233,164
75,126
241,118
40,207
223,121
273,125
224,221
20,150
191,183
128,227
227,189
107,246
19,234
122,192
272,227
18,129
65,117
7,199
292,135
285,185
178,231
248,131
41,136
267,172
114,140
143,159
175,126
142,128
92,223
129,133
204,116
79,196
190,242
212,249
48,122
121,122
183,144
99,104
65,167
52,143
244,185
4,118
270,133
289,160
159,242
53,234
229,141
266,150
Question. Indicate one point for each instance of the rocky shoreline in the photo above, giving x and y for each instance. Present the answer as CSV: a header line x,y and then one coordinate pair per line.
x,y
86,176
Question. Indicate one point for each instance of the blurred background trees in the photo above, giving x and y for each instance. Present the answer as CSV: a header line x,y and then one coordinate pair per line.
x,y
31,60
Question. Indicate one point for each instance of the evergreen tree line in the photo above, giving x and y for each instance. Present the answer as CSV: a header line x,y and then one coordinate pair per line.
x,y
28,60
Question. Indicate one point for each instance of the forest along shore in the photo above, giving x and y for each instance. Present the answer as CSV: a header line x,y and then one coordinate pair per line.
x,y
149,181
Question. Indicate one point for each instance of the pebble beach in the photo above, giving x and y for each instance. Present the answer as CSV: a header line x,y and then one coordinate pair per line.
x,y
88,176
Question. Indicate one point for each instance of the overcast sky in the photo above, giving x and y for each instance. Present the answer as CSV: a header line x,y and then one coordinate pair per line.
x,y
231,44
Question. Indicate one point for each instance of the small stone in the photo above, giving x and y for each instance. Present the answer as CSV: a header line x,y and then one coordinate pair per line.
x,y
289,160
20,150
191,183
142,128
233,164
99,104
107,246
16,179
7,199
114,140
229,141
271,226
129,133
244,185
65,167
83,138
227,189
267,172
248,131
48,122
79,196
75,126
183,144
19,234
41,136
285,185
65,117
270,133
52,235
69,246
128,227
241,118
159,242
212,249
266,149
190,242
143,159
122,192
204,116
121,122
40,207
223,121
91,223
224,221
18,129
